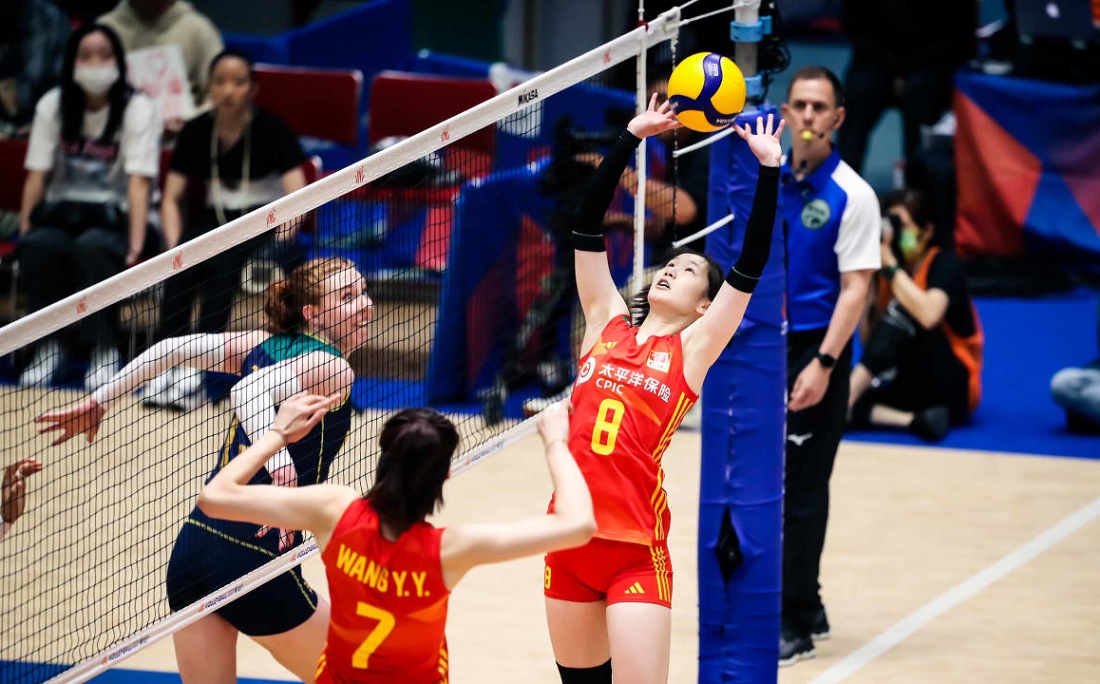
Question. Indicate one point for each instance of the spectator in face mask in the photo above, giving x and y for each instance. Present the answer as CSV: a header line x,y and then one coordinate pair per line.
x,y
93,154
922,357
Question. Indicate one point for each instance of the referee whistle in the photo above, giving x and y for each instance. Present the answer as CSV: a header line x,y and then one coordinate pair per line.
x,y
807,134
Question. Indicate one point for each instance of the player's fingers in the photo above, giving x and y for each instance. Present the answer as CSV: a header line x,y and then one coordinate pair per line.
x,y
653,102
780,127
771,122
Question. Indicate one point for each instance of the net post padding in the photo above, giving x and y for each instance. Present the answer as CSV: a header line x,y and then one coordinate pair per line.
x,y
141,277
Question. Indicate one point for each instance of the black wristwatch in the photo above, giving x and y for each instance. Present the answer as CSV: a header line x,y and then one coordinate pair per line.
x,y
827,361
889,272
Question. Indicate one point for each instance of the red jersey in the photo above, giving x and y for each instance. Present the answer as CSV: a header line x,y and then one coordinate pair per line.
x,y
389,604
628,400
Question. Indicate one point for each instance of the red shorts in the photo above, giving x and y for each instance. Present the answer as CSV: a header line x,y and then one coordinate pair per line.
x,y
611,571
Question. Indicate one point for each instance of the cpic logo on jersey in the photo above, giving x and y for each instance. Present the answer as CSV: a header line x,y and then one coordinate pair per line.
x,y
816,214
587,370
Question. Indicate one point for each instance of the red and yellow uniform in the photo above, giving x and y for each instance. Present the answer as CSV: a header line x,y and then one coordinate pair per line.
x,y
628,400
389,604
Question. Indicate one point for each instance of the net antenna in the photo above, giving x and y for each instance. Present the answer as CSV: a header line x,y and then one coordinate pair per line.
x,y
88,544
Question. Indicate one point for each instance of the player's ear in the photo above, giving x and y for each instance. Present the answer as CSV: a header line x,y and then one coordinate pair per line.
x,y
309,312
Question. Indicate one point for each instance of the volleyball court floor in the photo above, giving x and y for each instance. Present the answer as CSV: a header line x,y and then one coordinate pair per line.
x,y
940,565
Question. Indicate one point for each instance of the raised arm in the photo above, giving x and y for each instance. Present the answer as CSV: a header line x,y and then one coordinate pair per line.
x,y
571,524
219,352
255,397
600,299
705,339
316,508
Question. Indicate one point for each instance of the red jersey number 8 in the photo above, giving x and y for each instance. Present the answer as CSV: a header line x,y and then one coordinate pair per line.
x,y
608,417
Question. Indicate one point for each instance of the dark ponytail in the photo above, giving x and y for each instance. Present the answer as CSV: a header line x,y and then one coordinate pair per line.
x,y
417,446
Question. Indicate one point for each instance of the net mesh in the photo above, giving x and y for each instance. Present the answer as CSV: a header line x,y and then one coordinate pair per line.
x,y
460,232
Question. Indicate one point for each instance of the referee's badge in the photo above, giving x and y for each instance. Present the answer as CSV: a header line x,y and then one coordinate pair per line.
x,y
816,214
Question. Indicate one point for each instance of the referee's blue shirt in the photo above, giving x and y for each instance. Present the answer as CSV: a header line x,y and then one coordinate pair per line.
x,y
832,225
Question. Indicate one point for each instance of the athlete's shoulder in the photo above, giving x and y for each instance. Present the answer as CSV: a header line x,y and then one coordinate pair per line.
x,y
283,346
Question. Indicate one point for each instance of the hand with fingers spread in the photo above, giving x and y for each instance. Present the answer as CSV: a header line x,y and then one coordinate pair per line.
x,y
764,143
13,496
80,419
655,119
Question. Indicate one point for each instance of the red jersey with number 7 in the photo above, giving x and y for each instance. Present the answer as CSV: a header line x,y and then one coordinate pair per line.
x,y
389,604
628,400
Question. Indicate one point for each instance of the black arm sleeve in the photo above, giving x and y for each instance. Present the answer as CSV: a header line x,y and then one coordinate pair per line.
x,y
588,231
758,234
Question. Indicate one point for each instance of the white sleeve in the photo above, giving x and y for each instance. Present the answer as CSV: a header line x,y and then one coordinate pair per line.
x,y
255,398
141,131
205,352
45,133
857,241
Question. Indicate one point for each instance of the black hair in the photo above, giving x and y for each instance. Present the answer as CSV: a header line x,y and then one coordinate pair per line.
x,y
230,53
417,446
639,304
73,99
916,203
812,72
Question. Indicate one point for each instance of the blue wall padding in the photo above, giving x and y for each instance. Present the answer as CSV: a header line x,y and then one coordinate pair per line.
x,y
742,443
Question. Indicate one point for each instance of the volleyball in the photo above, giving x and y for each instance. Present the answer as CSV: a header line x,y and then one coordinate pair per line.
x,y
707,91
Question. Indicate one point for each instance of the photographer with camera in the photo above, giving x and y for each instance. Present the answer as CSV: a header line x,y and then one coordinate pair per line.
x,y
922,356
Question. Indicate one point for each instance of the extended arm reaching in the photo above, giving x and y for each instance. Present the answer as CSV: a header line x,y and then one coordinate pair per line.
x,y
705,339
600,299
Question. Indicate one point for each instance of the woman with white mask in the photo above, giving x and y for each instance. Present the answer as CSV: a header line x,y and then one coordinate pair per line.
x,y
93,156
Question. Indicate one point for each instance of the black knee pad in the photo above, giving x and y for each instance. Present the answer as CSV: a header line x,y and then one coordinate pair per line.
x,y
601,674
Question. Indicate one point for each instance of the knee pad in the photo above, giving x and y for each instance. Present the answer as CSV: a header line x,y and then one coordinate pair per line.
x,y
601,674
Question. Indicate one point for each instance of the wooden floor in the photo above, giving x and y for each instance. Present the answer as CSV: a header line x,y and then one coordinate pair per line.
x,y
908,525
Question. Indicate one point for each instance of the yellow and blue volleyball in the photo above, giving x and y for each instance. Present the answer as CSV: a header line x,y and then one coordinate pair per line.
x,y
707,91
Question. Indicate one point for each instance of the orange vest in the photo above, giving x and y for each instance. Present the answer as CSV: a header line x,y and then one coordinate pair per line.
x,y
968,350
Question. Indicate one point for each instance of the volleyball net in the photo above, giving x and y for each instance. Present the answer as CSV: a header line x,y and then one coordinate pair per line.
x,y
460,231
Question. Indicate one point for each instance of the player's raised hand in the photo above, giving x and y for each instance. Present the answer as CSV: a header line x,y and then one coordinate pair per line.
x,y
554,423
655,119
14,492
764,143
80,419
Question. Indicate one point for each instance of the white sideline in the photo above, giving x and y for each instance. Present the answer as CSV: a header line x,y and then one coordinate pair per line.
x,y
36,325
118,287
957,594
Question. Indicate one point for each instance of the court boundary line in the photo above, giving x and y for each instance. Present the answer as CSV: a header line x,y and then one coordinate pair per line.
x,y
956,595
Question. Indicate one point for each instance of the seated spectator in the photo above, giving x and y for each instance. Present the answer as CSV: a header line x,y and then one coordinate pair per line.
x,y
91,161
32,43
922,356
1077,390
13,495
258,159
148,23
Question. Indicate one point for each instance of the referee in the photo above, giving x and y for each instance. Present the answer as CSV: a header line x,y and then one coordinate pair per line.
x,y
831,219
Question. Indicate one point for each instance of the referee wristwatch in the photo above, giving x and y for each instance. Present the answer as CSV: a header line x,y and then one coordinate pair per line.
x,y
827,361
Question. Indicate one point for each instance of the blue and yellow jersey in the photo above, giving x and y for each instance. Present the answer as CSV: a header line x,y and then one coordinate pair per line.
x,y
312,454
